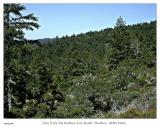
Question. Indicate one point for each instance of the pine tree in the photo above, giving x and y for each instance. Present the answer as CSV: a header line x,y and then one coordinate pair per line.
x,y
120,22
14,24
120,43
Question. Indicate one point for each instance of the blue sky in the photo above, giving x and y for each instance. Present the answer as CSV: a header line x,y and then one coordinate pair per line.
x,y
67,19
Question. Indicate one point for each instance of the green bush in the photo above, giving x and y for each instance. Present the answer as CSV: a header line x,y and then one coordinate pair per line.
x,y
17,112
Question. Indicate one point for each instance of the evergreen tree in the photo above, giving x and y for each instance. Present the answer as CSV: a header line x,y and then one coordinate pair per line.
x,y
120,22
120,43
14,24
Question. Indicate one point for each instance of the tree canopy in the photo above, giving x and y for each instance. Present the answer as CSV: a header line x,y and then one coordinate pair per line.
x,y
99,74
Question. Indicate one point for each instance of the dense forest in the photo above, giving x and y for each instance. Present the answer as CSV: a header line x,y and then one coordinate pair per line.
x,y
99,74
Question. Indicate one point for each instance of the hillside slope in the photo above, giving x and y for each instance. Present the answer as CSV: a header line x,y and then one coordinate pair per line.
x,y
102,74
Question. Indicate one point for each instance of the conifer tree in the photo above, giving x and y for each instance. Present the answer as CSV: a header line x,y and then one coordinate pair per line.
x,y
14,24
120,43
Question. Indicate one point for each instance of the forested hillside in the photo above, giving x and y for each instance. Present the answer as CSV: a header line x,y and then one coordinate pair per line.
x,y
101,74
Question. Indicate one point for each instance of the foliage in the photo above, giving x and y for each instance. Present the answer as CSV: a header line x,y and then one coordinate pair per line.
x,y
99,74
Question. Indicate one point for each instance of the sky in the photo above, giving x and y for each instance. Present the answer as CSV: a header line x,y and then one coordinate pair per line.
x,y
67,19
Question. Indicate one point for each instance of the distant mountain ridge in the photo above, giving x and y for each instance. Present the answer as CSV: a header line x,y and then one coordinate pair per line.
x,y
46,40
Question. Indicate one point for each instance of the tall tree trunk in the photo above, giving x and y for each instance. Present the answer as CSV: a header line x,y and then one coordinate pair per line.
x,y
9,97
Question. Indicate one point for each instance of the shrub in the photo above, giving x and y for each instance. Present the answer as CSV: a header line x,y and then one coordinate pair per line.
x,y
101,102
